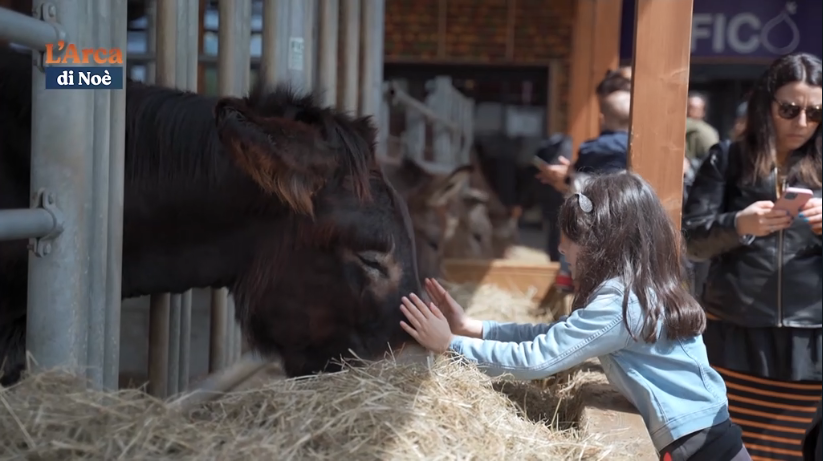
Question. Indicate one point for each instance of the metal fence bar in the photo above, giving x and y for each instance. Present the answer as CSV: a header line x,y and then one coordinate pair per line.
x,y
117,155
269,53
185,342
349,55
230,330
166,42
28,31
98,259
25,223
150,57
227,80
173,372
61,165
176,299
327,49
158,344
371,57
191,54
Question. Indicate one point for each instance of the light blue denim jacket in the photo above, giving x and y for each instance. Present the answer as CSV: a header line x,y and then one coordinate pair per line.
x,y
669,382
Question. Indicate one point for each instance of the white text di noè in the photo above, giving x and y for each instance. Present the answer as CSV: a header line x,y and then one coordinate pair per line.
x,y
84,78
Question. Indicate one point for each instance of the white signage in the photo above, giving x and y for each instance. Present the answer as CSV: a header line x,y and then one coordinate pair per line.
x,y
746,33
296,53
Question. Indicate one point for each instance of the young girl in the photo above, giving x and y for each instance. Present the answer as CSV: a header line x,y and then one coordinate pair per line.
x,y
630,310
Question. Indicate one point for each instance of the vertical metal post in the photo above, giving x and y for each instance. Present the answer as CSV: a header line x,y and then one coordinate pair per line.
x,y
310,43
158,344
347,97
117,154
151,39
191,55
173,371
371,59
100,206
185,342
166,55
230,27
243,54
61,163
292,59
230,323
327,51
176,299
269,58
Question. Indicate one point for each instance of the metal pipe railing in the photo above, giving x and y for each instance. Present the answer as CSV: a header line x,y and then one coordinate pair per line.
x,y
28,31
117,159
26,223
61,163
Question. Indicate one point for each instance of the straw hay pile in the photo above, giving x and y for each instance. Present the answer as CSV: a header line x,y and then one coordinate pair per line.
x,y
381,411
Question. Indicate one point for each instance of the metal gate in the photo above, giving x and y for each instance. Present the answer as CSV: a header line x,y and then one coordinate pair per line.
x,y
76,216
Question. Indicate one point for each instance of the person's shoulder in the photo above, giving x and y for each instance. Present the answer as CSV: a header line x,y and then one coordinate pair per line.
x,y
610,294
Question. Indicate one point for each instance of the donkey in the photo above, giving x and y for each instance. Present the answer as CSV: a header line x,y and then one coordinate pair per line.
x,y
270,195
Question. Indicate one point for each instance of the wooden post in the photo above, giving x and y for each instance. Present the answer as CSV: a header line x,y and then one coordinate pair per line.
x,y
662,45
595,50
553,98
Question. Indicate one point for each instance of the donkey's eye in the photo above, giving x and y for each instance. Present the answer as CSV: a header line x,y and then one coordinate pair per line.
x,y
370,259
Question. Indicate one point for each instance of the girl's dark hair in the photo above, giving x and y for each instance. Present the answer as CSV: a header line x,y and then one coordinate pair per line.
x,y
627,234
758,139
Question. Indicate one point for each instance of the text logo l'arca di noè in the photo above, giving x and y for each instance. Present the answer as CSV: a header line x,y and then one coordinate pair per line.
x,y
69,67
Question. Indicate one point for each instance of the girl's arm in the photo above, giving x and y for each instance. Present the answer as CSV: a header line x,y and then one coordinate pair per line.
x,y
708,228
596,330
514,332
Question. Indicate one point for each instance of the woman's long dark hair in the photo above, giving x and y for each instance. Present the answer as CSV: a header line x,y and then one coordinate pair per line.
x,y
758,139
629,235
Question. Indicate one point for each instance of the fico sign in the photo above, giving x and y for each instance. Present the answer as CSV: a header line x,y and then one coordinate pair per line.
x,y
746,28
745,33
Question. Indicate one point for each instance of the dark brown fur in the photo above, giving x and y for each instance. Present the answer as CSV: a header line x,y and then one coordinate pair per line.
x,y
270,195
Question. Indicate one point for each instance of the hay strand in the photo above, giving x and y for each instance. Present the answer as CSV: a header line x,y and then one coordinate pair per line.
x,y
377,411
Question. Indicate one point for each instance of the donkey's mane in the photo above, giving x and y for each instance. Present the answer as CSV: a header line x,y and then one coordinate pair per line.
x,y
172,136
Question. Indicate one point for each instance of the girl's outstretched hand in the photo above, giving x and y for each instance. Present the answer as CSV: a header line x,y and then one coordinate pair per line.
x,y
428,325
459,322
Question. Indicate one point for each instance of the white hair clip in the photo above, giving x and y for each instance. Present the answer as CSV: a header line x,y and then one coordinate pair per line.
x,y
584,202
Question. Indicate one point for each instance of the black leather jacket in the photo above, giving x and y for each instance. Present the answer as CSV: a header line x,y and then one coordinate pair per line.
x,y
773,281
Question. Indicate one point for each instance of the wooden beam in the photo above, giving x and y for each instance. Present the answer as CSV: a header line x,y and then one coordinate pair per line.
x,y
662,41
555,69
595,50
511,16
442,31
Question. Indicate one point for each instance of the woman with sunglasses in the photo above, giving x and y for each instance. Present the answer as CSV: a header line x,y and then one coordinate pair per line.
x,y
763,292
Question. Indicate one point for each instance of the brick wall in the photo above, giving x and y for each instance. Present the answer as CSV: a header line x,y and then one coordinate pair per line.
x,y
482,31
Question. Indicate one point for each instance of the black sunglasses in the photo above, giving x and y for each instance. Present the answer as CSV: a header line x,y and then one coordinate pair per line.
x,y
790,111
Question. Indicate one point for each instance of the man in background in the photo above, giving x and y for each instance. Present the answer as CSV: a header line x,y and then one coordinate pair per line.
x,y
606,153
700,136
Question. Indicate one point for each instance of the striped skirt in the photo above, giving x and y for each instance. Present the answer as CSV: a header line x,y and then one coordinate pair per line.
x,y
774,415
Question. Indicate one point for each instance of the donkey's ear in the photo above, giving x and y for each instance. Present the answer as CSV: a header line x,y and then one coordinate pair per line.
x,y
449,187
284,157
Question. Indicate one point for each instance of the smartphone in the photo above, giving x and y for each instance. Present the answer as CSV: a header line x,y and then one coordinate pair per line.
x,y
539,163
793,199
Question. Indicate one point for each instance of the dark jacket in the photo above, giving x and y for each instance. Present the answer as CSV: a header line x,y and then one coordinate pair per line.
x,y
812,442
603,154
775,280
